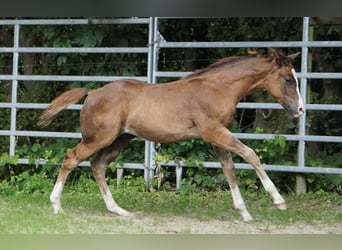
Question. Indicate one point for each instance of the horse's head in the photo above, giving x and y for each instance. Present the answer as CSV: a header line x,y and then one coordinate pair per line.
x,y
282,82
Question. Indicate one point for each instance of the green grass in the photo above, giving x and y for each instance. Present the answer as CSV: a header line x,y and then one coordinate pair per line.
x,y
85,211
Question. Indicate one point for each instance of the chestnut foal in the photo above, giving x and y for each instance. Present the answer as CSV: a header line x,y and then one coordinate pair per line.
x,y
200,105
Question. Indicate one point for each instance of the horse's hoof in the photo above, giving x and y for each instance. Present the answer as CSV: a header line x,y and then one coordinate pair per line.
x,y
281,206
126,214
58,210
246,216
120,212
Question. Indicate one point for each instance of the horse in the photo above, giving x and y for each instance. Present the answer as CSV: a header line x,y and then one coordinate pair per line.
x,y
200,105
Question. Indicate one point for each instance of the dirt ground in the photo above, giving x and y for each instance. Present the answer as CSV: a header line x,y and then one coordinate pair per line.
x,y
181,225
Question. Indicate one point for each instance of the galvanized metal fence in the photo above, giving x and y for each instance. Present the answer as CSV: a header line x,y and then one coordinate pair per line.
x,y
155,42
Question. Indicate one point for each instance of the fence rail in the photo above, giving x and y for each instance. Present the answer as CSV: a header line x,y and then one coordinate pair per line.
x,y
155,42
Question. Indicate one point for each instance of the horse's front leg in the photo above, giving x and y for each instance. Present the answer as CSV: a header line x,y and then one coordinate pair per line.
x,y
229,171
220,136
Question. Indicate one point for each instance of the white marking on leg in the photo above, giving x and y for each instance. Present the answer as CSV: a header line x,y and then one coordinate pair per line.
x,y
111,204
239,204
55,197
271,189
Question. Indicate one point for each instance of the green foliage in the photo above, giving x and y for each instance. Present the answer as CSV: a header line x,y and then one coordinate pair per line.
x,y
5,159
192,152
132,182
273,151
202,179
28,184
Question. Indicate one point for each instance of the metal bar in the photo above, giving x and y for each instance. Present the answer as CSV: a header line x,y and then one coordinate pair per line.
x,y
69,78
40,134
35,106
153,56
149,146
74,21
304,138
320,75
251,44
75,50
264,105
308,75
142,78
301,186
179,170
244,136
241,105
119,175
280,168
303,91
82,164
241,166
14,90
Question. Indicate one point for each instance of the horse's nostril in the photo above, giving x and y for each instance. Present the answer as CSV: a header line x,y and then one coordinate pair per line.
x,y
301,110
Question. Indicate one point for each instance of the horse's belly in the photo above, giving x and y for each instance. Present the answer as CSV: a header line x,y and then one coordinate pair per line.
x,y
163,133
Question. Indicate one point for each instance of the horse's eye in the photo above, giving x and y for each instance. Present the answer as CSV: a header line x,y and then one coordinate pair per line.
x,y
289,80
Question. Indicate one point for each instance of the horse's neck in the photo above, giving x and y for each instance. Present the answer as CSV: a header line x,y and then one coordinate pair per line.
x,y
246,83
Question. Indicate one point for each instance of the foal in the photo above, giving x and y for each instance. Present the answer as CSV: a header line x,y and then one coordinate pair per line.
x,y
200,105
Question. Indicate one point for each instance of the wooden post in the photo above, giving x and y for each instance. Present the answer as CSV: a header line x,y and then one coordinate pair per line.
x,y
300,184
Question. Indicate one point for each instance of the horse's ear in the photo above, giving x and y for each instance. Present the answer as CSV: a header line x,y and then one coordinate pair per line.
x,y
271,51
274,54
293,56
252,52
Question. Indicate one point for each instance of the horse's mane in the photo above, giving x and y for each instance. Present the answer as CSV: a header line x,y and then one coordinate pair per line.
x,y
218,64
271,54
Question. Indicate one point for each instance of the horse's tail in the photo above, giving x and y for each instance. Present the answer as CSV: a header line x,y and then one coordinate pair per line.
x,y
60,103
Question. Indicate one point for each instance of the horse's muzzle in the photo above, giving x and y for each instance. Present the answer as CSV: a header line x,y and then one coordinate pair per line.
x,y
300,111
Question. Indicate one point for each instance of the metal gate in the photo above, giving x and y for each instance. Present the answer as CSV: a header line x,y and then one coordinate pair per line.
x,y
155,42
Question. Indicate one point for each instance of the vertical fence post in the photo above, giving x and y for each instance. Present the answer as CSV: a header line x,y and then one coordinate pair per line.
x,y
119,175
300,179
152,66
179,171
14,90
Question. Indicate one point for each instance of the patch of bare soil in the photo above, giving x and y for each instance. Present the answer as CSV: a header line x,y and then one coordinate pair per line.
x,y
180,225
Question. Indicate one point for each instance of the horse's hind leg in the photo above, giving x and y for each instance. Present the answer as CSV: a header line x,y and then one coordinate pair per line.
x,y
99,165
230,172
72,158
